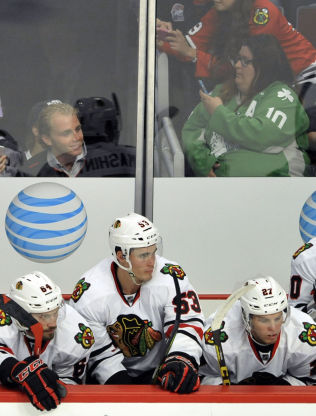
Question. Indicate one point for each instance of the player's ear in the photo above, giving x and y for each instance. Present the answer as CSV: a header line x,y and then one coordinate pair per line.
x,y
120,256
35,131
46,140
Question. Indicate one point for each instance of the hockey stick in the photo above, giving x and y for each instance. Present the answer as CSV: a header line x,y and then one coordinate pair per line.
x,y
216,329
174,329
13,309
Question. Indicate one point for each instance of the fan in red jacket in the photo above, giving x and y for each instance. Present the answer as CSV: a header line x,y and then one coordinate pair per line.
x,y
217,36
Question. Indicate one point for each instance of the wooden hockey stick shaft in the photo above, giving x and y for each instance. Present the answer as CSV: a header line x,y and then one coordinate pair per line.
x,y
216,330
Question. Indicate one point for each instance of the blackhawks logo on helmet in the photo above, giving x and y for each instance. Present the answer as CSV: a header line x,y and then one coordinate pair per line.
x,y
174,270
4,318
301,249
261,16
81,287
309,335
208,335
133,335
85,337
117,224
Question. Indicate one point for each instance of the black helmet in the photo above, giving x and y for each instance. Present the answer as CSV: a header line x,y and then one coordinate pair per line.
x,y
100,118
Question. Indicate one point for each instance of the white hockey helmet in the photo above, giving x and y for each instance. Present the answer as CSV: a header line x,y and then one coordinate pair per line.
x,y
36,293
131,231
265,298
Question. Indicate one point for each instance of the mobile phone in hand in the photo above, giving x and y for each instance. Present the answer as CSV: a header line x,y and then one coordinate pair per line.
x,y
202,85
162,34
2,150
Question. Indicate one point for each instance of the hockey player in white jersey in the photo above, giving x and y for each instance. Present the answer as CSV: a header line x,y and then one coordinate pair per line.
x,y
130,301
302,293
264,341
64,350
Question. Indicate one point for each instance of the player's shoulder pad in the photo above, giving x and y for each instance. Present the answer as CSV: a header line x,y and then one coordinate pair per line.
x,y
303,248
92,280
304,326
208,335
80,288
172,269
5,319
85,336
78,328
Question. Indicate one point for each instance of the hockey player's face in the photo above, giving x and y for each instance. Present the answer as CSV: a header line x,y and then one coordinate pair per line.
x,y
49,323
266,328
143,262
245,71
223,5
65,138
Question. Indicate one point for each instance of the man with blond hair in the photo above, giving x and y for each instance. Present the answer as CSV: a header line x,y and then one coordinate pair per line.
x,y
67,154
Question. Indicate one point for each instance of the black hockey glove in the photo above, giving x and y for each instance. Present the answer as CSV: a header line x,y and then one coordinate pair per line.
x,y
39,382
261,378
179,373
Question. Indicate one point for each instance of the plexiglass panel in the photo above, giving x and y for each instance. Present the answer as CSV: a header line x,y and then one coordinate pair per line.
x,y
84,53
244,71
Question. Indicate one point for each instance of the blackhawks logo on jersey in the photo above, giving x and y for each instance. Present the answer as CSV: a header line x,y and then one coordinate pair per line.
x,y
133,335
301,249
208,335
174,270
4,318
81,287
261,16
85,337
309,335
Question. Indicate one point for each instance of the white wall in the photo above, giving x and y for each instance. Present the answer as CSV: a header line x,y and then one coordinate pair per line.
x,y
221,231
104,199
224,231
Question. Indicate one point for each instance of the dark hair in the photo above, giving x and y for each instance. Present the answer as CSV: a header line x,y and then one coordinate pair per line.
x,y
269,61
231,28
270,64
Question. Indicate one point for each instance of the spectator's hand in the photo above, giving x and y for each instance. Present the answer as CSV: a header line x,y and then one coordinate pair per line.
x,y
212,173
179,44
210,103
3,163
161,25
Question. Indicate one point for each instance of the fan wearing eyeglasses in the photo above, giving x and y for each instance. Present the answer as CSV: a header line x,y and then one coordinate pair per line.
x,y
252,125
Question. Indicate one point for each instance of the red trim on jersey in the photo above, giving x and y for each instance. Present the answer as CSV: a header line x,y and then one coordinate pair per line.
x,y
256,352
117,283
169,330
119,289
7,349
30,348
196,328
275,346
137,296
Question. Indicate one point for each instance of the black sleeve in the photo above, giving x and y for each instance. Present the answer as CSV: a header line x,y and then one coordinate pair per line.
x,y
261,378
121,377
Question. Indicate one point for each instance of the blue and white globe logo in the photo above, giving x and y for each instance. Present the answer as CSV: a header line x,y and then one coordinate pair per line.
x,y
46,222
308,218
